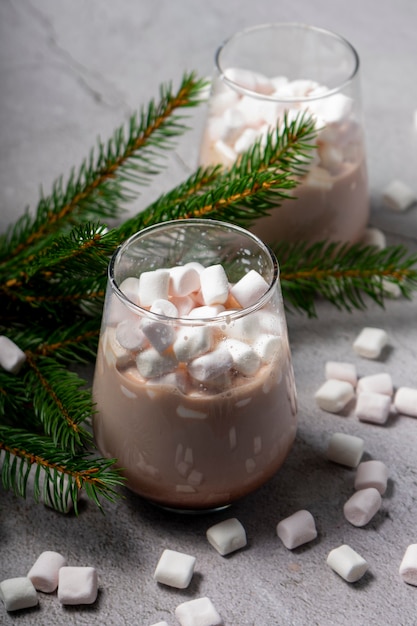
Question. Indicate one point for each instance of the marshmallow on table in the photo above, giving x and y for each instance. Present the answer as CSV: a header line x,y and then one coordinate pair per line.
x,y
362,506
45,571
372,474
249,289
347,563
345,449
153,285
77,585
334,395
214,285
297,529
227,536
408,567
373,407
337,370
18,593
405,401
374,237
399,196
175,569
376,383
198,612
370,342
11,356
161,624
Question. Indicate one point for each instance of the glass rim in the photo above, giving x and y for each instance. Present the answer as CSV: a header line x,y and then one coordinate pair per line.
x,y
227,315
301,27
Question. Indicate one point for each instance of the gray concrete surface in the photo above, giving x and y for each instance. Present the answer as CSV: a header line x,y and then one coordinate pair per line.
x,y
73,70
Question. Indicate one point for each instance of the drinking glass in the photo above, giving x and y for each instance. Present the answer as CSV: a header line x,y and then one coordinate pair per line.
x,y
268,70
195,394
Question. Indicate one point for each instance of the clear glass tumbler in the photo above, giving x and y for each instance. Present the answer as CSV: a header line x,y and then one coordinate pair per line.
x,y
267,70
194,387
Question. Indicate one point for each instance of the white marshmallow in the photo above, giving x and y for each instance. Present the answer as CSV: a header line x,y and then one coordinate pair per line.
x,y
18,593
297,529
405,401
114,353
391,289
242,77
374,237
198,612
332,109
398,196
151,363
130,288
334,395
246,140
224,153
175,569
245,360
153,285
11,356
44,572
347,563
220,102
245,328
184,279
249,289
130,335
319,178
266,347
345,449
205,312
161,335
408,566
370,342
372,474
331,157
362,506
338,370
77,585
373,407
212,365
227,536
376,383
183,305
163,623
214,285
165,308
191,342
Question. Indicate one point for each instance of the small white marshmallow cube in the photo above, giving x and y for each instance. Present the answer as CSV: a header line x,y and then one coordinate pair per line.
x,y
346,562
362,506
163,623
227,536
18,593
11,356
160,334
214,285
374,237
249,289
184,279
334,395
77,585
338,370
398,196
44,572
245,360
130,335
297,529
175,569
211,365
345,449
151,363
192,341
373,407
408,566
153,285
376,383
405,401
198,612
266,347
370,342
372,473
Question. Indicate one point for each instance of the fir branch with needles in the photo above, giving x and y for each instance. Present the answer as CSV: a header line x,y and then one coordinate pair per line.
x,y
53,278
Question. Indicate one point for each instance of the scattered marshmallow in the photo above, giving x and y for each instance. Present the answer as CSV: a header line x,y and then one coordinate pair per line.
x,y
297,529
372,473
336,370
362,506
211,365
373,407
227,536
345,449
11,356
214,285
408,566
249,289
374,237
153,285
77,585
334,395
198,612
18,593
405,401
175,569
376,383
163,623
45,571
370,342
398,196
347,563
